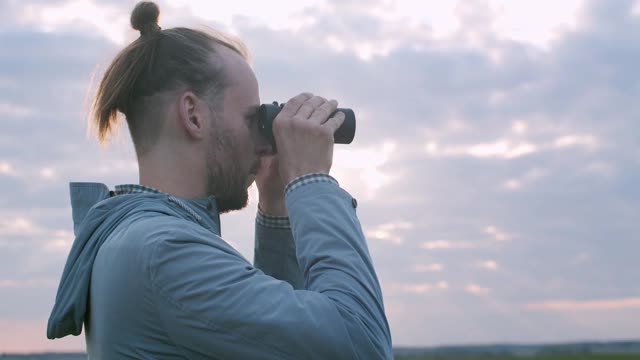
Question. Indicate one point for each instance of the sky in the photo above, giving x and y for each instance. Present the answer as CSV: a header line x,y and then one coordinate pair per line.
x,y
495,163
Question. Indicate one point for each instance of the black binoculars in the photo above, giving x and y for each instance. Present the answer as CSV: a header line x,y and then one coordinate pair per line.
x,y
268,112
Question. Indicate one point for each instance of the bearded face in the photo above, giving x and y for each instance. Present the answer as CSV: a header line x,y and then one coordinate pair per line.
x,y
226,179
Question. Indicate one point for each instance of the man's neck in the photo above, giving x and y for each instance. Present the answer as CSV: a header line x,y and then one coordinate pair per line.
x,y
181,177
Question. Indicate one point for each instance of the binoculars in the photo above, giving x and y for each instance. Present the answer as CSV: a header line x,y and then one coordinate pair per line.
x,y
268,112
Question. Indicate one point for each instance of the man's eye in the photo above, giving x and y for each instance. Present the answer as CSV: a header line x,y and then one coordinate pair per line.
x,y
253,120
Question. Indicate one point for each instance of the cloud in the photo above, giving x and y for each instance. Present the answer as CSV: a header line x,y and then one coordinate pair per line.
x,y
434,267
496,233
487,265
48,173
13,339
527,179
7,169
414,288
363,168
388,232
588,141
588,305
497,236
18,226
108,19
500,149
510,149
476,289
446,244
14,110
22,232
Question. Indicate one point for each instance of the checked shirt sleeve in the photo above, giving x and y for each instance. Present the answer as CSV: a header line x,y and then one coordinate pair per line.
x,y
275,250
309,179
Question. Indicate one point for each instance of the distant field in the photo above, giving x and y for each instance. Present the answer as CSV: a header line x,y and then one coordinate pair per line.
x,y
434,357
540,357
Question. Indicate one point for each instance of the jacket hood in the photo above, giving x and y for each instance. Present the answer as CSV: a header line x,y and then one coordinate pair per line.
x,y
96,212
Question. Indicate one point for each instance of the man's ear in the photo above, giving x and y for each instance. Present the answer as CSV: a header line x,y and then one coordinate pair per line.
x,y
192,120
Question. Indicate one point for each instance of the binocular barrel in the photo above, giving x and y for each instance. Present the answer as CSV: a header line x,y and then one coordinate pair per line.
x,y
268,112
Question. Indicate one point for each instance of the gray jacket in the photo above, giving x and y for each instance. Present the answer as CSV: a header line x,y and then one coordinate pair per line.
x,y
151,278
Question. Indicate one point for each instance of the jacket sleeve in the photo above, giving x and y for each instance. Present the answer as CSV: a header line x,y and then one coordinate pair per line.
x,y
275,249
214,304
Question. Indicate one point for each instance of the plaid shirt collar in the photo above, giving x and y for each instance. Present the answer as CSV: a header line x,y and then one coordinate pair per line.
x,y
135,188
210,208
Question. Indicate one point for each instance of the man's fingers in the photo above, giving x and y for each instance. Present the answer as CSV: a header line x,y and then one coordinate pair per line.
x,y
309,106
322,113
334,123
293,105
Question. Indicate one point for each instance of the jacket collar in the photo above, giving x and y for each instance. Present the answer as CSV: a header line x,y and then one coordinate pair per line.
x,y
84,195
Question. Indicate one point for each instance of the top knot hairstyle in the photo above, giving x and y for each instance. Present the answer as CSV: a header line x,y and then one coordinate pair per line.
x,y
156,63
144,17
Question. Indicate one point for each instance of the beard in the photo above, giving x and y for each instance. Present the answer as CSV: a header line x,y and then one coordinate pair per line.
x,y
225,179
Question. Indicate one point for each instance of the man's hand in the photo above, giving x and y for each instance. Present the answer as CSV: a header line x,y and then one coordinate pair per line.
x,y
304,135
271,187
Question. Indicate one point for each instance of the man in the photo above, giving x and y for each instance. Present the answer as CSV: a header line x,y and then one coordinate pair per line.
x,y
149,274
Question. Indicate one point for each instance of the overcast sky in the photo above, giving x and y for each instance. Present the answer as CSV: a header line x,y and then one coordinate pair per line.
x,y
495,162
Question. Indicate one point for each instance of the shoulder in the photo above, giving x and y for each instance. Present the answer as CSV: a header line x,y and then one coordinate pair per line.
x,y
161,234
180,252
156,226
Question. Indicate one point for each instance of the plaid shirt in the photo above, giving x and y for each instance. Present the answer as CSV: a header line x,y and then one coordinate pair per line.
x,y
135,189
138,189
276,222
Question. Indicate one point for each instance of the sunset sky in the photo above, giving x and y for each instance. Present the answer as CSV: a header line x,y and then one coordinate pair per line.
x,y
496,160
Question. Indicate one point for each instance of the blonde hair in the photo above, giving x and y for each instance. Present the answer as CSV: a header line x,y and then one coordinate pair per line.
x,y
158,62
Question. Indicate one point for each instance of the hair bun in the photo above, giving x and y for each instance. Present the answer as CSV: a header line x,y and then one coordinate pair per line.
x,y
144,17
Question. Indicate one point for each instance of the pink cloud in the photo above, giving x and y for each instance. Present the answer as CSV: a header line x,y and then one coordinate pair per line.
x,y
476,289
608,304
26,336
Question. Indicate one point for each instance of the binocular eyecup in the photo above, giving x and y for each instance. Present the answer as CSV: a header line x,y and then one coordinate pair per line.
x,y
268,112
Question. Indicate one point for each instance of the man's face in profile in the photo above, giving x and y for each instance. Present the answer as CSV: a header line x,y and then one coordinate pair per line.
x,y
235,143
